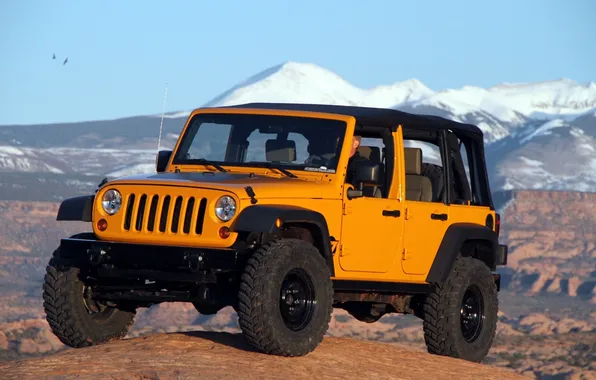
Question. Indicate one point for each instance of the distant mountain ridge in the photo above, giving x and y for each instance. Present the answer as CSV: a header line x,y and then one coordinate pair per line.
x,y
538,135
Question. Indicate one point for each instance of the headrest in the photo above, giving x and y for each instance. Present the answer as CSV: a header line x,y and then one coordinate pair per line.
x,y
280,150
413,160
372,153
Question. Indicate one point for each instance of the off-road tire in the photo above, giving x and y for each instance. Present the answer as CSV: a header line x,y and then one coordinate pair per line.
x,y
435,174
260,306
68,316
443,332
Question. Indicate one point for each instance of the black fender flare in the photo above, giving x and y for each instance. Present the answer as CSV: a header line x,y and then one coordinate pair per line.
x,y
264,218
454,241
76,209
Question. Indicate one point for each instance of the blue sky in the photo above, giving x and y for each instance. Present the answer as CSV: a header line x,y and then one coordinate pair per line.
x,y
121,53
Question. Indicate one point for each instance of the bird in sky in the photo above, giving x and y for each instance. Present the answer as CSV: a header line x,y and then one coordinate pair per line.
x,y
64,63
54,56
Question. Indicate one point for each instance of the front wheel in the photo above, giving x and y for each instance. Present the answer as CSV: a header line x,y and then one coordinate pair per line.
x,y
74,317
460,316
285,298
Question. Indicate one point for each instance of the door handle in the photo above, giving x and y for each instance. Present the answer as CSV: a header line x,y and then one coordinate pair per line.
x,y
393,213
438,216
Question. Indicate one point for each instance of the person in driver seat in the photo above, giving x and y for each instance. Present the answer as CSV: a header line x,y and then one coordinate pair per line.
x,y
323,154
321,151
355,157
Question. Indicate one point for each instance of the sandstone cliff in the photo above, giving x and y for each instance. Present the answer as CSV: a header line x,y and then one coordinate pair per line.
x,y
552,242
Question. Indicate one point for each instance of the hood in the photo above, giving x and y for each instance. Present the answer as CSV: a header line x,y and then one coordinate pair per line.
x,y
264,186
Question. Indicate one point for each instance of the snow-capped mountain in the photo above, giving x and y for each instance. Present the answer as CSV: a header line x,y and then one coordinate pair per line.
x,y
307,83
26,160
562,98
538,135
553,155
497,110
558,98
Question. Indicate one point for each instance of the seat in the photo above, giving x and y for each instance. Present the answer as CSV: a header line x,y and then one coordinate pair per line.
x,y
373,154
418,187
280,150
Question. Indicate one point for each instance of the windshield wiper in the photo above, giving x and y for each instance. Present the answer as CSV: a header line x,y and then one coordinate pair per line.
x,y
207,162
271,166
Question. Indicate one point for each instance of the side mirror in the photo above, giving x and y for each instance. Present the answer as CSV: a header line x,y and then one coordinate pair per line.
x,y
353,193
367,173
161,161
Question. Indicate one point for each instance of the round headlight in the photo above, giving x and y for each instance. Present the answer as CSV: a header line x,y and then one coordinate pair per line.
x,y
111,201
225,208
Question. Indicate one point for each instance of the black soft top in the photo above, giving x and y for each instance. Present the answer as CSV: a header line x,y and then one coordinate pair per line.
x,y
370,116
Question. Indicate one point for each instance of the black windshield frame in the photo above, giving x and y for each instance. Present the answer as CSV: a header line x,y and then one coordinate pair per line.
x,y
243,124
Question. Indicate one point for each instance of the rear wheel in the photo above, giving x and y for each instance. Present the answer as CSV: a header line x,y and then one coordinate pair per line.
x,y
460,316
74,316
435,174
285,298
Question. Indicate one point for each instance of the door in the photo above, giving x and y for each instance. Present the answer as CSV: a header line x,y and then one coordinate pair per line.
x,y
425,226
371,235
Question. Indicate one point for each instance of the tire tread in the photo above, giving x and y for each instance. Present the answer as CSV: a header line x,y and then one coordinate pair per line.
x,y
251,308
71,328
441,312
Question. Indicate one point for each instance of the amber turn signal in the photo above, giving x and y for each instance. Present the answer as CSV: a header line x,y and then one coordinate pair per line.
x,y
224,232
102,224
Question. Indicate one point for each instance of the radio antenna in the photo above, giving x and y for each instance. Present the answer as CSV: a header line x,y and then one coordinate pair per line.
x,y
162,114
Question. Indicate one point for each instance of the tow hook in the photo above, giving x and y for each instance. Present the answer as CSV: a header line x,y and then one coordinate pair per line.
x,y
194,262
96,256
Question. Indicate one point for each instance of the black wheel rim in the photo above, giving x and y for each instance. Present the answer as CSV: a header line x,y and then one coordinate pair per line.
x,y
472,313
297,299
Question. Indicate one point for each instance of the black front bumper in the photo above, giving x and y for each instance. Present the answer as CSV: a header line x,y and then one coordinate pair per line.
x,y
154,262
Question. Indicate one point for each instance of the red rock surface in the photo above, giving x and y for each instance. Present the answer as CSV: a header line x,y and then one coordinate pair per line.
x,y
225,356
552,238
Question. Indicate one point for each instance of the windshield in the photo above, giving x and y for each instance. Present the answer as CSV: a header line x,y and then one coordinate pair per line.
x,y
290,142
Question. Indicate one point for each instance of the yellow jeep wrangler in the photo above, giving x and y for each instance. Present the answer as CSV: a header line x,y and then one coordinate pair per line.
x,y
284,212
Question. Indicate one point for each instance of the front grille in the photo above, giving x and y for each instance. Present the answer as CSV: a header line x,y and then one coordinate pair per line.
x,y
172,214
